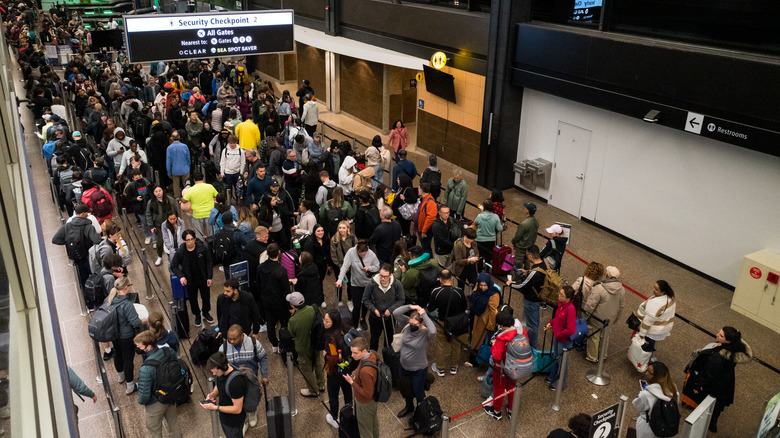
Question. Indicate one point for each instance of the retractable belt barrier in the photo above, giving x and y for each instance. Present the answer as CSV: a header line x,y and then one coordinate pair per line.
x,y
504,394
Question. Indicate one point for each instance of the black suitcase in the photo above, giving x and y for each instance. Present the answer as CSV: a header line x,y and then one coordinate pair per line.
x,y
278,418
348,424
180,320
345,314
391,357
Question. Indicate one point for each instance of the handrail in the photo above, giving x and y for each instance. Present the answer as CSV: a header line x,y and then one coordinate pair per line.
x,y
103,378
354,140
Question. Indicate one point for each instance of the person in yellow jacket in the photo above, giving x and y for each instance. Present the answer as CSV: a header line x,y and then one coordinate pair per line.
x,y
248,134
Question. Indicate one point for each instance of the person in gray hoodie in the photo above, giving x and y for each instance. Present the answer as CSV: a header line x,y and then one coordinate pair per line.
x,y
605,302
362,263
382,297
659,387
417,333
129,325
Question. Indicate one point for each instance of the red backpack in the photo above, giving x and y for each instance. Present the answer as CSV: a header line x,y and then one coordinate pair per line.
x,y
101,203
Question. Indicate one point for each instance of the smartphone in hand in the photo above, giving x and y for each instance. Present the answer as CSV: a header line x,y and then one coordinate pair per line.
x,y
643,384
206,402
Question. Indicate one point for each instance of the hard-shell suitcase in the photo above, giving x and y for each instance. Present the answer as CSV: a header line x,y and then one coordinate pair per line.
x,y
500,254
180,320
345,314
543,359
348,425
278,417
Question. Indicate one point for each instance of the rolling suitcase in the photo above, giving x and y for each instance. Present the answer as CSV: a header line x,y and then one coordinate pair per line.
x,y
180,320
345,314
278,418
391,357
543,359
500,253
348,425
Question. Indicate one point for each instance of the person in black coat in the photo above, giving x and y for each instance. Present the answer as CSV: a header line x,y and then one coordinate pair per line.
x,y
192,264
318,246
237,307
385,235
272,292
308,281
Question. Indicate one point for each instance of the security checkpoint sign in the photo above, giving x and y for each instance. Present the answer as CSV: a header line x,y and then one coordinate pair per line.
x,y
603,424
196,36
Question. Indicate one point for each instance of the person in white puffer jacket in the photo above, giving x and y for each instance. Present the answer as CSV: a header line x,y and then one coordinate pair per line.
x,y
657,314
232,162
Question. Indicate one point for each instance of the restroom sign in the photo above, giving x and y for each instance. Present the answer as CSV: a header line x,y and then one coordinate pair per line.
x,y
439,60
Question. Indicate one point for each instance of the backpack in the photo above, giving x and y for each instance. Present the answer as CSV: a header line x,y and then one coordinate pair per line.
x,y
518,361
330,190
305,159
552,285
173,378
384,380
94,292
252,396
76,244
104,325
101,203
427,281
553,260
94,263
66,180
427,418
664,418
204,346
333,216
224,250
317,333
287,345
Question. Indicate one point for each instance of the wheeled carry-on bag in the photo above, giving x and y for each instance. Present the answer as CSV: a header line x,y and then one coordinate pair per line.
x,y
278,417
543,359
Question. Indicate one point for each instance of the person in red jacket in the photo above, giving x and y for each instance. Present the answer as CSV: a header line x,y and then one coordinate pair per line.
x,y
97,199
563,326
427,214
505,332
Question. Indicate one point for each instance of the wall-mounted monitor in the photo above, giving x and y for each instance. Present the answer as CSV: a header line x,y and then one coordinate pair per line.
x,y
439,83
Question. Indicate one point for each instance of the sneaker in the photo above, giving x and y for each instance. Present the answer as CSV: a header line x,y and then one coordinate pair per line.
x,y
436,370
468,364
275,349
207,317
158,261
154,245
331,421
551,387
251,418
509,414
324,305
350,306
454,370
306,393
246,427
198,321
492,412
148,241
108,355
120,377
131,388
263,328
590,359
488,400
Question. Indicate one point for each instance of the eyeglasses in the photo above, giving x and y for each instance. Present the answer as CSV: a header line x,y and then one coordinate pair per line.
x,y
384,276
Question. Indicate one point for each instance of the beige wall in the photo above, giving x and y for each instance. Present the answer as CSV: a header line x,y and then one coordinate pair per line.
x,y
469,94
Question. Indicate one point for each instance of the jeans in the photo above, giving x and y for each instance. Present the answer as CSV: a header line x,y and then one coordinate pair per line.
x,y
230,180
375,325
418,383
425,242
123,357
336,383
154,418
531,313
556,366
378,171
199,288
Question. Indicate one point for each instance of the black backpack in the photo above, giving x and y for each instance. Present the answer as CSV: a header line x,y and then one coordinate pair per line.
x,y
384,380
173,378
664,419
104,325
427,418
224,250
76,244
94,292
204,346
317,333
427,281
333,217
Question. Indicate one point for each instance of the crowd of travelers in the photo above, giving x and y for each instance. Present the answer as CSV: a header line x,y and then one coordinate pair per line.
x,y
218,169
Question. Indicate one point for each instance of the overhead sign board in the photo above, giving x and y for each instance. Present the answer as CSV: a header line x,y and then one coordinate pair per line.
x,y
195,36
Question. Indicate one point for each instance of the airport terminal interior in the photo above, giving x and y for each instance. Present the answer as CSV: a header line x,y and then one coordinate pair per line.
x,y
661,185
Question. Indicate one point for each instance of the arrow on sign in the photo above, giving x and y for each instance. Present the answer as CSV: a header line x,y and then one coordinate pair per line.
x,y
693,123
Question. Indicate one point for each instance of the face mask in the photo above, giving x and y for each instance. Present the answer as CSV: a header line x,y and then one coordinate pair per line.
x,y
139,352
414,328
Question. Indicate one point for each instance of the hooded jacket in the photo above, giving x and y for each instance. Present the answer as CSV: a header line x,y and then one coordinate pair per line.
x,y
345,176
605,300
115,144
322,192
410,278
376,297
274,286
644,405
717,370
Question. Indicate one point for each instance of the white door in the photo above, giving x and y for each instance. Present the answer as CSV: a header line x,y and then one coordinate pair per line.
x,y
568,174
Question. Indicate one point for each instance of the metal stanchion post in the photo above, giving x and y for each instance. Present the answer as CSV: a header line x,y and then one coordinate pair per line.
x,y
622,416
79,292
147,280
515,411
559,390
599,376
445,426
291,384
214,414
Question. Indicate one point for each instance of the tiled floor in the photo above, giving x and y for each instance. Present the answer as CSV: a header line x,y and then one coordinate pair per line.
x,y
701,301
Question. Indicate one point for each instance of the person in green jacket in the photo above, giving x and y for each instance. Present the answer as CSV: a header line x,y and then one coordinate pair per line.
x,y
410,278
488,225
525,236
456,193
80,388
310,362
156,411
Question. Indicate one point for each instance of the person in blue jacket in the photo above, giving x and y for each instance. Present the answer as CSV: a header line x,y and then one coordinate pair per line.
x,y
403,166
177,163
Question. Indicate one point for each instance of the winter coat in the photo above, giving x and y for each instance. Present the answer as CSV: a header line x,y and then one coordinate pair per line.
x,y
375,297
410,278
716,366
657,316
168,237
309,284
129,323
274,287
147,377
564,322
605,300
445,235
180,264
157,212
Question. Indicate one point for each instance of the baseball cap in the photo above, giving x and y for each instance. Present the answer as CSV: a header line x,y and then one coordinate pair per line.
x,y
557,229
76,134
295,298
126,80
275,183
530,206
613,272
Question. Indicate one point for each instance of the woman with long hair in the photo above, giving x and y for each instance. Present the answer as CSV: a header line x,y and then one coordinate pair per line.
x,y
319,247
340,243
172,231
338,203
659,388
400,256
399,138
307,280
563,325
337,356
712,372
165,338
246,223
129,325
159,207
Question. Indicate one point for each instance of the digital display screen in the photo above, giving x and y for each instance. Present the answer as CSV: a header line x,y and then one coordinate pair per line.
x,y
196,36
586,11
439,83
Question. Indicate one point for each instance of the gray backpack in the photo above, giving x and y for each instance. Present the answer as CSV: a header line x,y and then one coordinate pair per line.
x,y
104,325
252,397
518,361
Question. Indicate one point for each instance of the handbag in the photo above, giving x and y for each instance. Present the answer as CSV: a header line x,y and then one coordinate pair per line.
x,y
638,357
580,331
633,322
409,210
455,325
